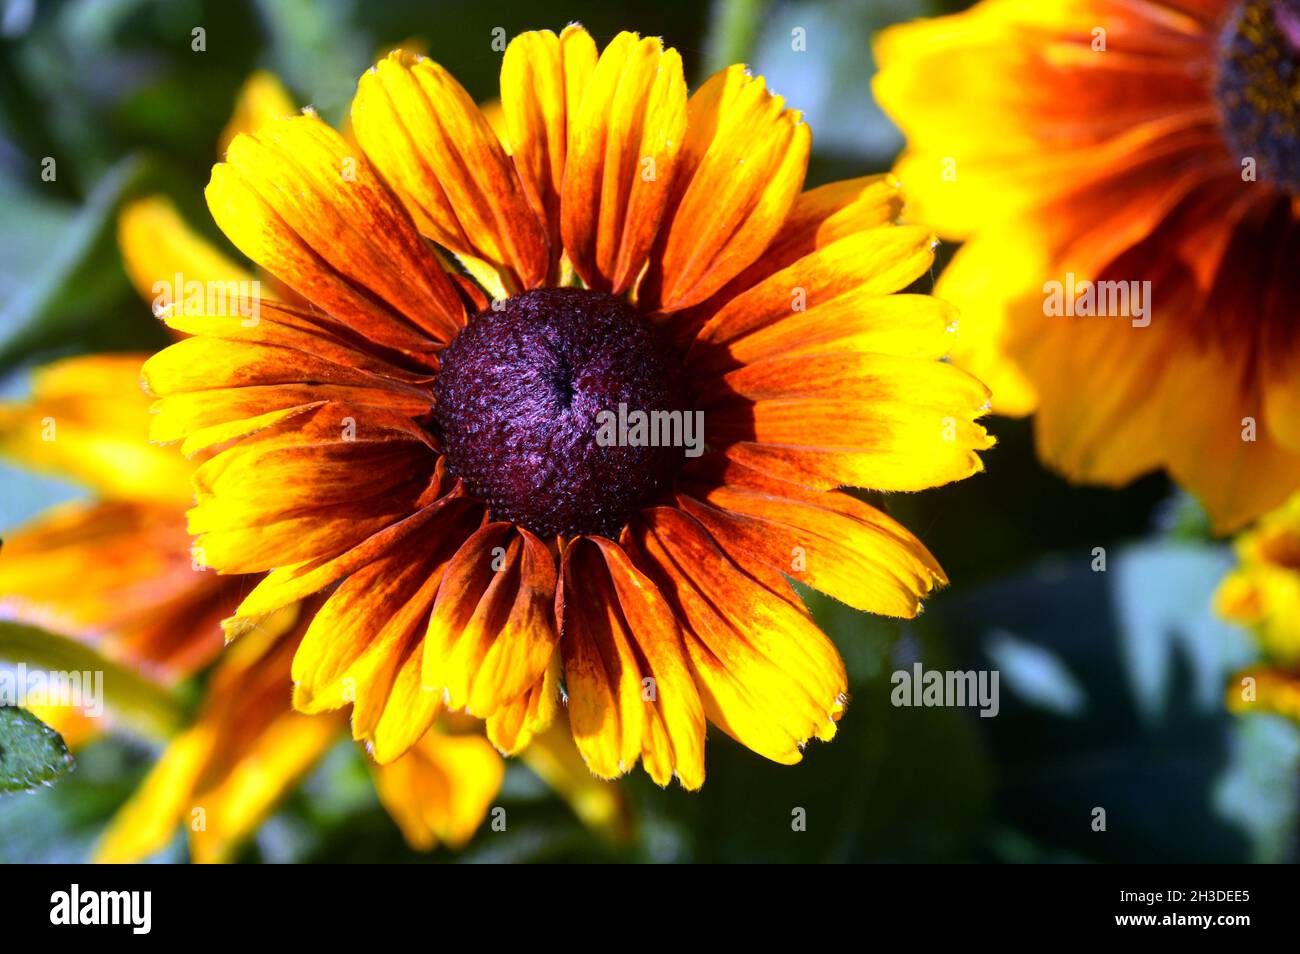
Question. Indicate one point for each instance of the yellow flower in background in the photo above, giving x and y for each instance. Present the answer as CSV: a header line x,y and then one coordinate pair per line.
x,y
1263,594
114,571
1264,591
1081,142
117,573
425,442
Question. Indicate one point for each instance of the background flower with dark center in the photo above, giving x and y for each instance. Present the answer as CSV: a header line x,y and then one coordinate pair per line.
x,y
426,443
1127,142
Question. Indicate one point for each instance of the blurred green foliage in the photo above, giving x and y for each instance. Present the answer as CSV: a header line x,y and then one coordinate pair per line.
x,y
1110,680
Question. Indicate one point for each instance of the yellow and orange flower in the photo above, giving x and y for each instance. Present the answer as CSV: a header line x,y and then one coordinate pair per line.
x,y
1263,594
1120,141
420,443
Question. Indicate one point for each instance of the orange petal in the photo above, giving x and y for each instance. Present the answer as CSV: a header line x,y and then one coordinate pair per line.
x,y
375,481
622,155
374,611
431,143
866,420
917,326
312,332
257,374
874,565
630,689
766,674
742,167
491,634
863,265
827,214
297,199
818,217
513,727
203,362
137,592
1273,690
1205,439
673,743
601,673
287,584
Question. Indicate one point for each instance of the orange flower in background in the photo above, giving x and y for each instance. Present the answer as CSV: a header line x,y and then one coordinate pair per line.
x,y
451,458
1096,141
116,573
115,570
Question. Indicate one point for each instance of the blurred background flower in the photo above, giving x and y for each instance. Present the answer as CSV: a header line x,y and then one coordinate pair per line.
x,y
1095,606
1150,148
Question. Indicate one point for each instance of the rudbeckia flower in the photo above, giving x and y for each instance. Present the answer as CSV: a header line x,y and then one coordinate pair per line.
x,y
436,444
1263,594
1073,144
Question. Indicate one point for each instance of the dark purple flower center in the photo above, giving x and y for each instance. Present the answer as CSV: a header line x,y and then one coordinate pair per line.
x,y
521,398
1258,88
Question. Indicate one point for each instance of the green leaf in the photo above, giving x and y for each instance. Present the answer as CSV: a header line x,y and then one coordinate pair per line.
x,y
137,702
31,753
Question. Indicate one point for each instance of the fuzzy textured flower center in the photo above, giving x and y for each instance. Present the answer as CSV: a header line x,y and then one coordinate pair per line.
x,y
1258,88
521,398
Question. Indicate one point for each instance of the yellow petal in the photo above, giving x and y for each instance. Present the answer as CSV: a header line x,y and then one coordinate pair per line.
x,y
440,791
88,420
275,761
543,79
147,822
157,246
743,165
599,805
261,99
